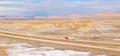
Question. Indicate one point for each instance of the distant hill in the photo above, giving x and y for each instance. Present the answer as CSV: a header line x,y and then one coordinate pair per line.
x,y
100,15
16,17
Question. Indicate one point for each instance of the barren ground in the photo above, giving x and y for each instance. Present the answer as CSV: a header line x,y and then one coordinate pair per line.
x,y
80,29
3,51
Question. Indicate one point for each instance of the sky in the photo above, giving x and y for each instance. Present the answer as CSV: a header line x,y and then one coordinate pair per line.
x,y
55,7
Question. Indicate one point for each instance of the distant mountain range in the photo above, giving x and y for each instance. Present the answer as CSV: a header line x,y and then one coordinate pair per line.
x,y
100,15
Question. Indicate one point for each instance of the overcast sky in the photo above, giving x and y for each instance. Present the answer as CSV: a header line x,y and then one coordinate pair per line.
x,y
55,7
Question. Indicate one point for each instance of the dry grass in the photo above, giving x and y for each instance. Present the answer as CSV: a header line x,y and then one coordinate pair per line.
x,y
81,29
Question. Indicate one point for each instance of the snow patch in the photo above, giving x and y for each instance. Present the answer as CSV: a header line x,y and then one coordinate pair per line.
x,y
23,49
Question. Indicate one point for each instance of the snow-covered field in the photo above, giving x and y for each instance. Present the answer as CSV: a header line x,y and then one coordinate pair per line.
x,y
23,49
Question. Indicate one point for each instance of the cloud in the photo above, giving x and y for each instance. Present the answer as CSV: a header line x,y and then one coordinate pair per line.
x,y
56,7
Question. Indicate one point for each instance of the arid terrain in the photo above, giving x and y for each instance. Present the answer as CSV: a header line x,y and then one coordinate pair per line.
x,y
71,35
59,27
99,30
80,29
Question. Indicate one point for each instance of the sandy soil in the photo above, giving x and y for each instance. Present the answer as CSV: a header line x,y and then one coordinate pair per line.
x,y
3,51
81,29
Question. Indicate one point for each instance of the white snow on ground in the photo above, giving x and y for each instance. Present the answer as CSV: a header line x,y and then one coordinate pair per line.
x,y
24,49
